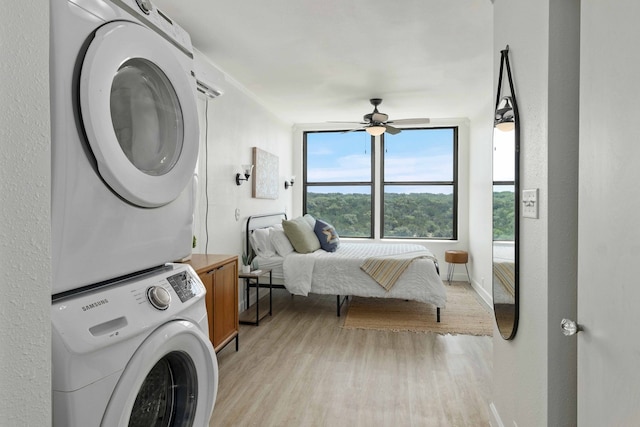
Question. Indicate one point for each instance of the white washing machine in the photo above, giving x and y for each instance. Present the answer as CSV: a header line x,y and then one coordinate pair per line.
x,y
124,140
134,353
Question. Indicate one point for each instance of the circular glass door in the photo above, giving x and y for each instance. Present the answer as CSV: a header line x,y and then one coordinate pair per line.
x,y
168,394
146,117
171,380
137,99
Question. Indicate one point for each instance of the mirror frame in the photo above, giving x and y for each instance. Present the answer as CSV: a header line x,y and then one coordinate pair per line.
x,y
506,112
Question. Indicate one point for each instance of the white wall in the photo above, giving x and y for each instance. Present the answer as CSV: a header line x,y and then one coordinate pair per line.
x,y
237,121
480,199
25,283
534,374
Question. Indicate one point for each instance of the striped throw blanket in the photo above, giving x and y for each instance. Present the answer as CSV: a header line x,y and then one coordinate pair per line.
x,y
387,270
505,272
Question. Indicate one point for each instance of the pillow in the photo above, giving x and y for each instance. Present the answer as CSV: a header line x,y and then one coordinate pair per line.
x,y
310,220
327,236
280,242
261,243
301,235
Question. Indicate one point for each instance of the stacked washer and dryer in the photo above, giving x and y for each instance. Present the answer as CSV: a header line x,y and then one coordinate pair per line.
x,y
129,327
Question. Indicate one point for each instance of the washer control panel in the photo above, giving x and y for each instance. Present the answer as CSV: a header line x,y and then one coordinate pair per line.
x,y
158,21
94,318
184,285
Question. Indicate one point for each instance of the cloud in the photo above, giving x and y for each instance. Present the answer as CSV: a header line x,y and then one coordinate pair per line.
x,y
415,168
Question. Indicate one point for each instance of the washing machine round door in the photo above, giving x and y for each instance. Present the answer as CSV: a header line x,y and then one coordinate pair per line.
x,y
171,380
137,100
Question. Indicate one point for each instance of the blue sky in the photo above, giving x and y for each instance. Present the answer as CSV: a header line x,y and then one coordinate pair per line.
x,y
416,155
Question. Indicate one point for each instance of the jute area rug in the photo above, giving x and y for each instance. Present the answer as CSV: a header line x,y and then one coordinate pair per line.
x,y
463,315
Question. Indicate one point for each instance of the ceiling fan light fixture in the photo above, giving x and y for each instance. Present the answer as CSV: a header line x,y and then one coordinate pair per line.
x,y
505,126
504,119
375,130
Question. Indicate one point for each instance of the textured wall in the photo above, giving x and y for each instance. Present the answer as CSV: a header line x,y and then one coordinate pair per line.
x,y
480,198
520,380
534,375
234,123
25,294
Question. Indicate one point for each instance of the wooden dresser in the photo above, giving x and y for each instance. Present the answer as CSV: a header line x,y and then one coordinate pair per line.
x,y
219,273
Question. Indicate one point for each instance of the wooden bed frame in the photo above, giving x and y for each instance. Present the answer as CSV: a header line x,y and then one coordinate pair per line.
x,y
255,222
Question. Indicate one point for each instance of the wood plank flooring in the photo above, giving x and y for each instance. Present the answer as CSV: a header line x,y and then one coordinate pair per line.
x,y
300,368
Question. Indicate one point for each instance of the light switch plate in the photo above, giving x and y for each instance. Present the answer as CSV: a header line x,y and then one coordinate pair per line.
x,y
530,203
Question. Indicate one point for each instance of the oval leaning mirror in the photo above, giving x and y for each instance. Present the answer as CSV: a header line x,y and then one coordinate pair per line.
x,y
506,201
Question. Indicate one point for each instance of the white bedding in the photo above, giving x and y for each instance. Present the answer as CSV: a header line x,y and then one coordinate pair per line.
x,y
275,264
339,273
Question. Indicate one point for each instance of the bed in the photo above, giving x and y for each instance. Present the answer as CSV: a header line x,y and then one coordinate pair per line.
x,y
403,270
503,272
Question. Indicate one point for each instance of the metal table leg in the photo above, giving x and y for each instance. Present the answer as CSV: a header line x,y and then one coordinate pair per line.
x,y
270,293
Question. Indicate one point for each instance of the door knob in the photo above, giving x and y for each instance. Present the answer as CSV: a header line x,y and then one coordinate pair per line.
x,y
569,327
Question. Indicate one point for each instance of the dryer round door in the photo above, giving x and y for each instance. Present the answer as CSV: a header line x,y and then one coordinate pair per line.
x,y
171,380
137,101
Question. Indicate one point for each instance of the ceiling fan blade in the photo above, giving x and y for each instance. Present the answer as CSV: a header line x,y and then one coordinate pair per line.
x,y
352,130
411,121
352,123
391,130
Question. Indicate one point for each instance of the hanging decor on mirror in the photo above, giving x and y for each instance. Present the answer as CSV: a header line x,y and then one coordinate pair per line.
x,y
506,205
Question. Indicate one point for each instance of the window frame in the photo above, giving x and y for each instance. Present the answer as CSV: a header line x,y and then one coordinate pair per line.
x,y
453,183
378,182
372,184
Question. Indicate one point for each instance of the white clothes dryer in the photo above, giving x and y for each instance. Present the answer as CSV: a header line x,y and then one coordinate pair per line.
x,y
134,353
124,140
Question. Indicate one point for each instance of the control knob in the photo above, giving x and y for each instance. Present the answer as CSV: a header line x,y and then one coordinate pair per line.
x,y
159,297
145,6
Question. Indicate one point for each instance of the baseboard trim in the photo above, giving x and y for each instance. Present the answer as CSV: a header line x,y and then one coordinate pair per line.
x,y
483,293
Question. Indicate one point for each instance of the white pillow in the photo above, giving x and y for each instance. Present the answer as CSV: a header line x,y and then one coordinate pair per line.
x,y
280,241
261,243
310,220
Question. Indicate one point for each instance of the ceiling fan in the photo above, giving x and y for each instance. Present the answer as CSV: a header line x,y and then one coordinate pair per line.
x,y
377,123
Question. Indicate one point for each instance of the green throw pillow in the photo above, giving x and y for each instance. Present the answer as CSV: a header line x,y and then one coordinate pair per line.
x,y
301,235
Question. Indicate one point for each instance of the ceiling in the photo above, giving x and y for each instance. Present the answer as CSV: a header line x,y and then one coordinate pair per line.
x,y
314,61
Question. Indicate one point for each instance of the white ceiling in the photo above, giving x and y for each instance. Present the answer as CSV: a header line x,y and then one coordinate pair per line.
x,y
314,61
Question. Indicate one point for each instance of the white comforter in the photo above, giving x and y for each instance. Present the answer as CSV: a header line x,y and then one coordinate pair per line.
x,y
339,273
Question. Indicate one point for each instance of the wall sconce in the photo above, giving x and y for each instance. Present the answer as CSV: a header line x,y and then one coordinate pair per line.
x,y
289,183
247,173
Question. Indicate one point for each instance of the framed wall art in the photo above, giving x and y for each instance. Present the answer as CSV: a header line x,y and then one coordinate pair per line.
x,y
265,174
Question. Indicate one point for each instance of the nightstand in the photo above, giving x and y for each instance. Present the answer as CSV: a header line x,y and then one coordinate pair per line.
x,y
219,276
252,279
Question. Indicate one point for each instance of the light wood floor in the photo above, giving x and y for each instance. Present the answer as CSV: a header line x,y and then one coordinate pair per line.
x,y
300,368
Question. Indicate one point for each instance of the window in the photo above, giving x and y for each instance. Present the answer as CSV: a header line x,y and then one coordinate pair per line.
x,y
419,184
338,180
413,188
504,196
